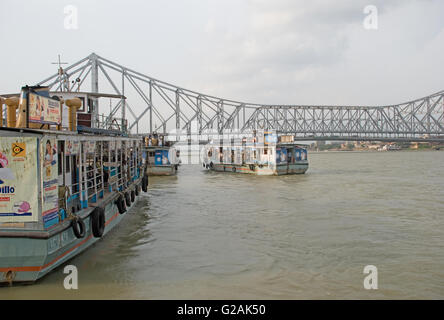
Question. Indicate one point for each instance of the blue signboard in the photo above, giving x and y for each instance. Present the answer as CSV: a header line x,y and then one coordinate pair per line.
x,y
297,153
165,157
270,138
303,154
281,155
158,157
300,154
161,157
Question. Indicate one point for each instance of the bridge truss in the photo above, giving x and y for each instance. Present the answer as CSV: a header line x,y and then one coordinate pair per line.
x,y
164,107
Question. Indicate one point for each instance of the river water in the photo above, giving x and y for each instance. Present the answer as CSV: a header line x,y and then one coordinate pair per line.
x,y
206,235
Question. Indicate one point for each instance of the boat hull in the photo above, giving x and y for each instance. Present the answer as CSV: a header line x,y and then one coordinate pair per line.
x,y
277,170
164,170
25,259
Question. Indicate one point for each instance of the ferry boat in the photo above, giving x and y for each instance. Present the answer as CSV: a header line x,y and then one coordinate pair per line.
x,y
264,153
162,158
64,181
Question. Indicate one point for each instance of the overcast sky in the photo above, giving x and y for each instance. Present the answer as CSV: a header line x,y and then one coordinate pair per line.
x,y
285,51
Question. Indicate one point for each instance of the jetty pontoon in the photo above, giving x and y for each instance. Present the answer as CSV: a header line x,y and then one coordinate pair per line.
x,y
65,180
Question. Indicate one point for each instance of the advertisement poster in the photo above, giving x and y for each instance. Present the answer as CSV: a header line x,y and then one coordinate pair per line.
x,y
270,138
18,179
90,146
44,110
50,204
300,154
72,147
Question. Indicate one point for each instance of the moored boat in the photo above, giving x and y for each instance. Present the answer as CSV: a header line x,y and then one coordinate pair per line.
x,y
161,157
64,181
265,153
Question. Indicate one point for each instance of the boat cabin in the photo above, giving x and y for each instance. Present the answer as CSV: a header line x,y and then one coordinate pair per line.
x,y
57,158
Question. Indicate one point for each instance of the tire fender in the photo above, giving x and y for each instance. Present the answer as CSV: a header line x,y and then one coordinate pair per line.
x,y
98,222
120,202
78,227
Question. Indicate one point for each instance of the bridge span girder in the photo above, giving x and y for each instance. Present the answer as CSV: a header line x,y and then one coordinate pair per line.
x,y
163,107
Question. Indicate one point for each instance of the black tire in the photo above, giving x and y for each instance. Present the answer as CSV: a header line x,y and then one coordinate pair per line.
x,y
78,227
136,190
133,195
120,202
234,169
211,165
145,183
127,199
98,222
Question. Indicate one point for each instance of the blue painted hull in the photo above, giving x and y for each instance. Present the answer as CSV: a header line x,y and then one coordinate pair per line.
x,y
27,259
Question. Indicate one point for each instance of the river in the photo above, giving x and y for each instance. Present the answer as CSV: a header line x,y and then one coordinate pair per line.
x,y
207,235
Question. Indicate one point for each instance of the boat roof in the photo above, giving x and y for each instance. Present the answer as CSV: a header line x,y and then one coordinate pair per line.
x,y
92,133
91,94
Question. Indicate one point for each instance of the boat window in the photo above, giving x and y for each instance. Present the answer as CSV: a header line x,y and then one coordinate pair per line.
x,y
289,155
59,162
265,151
67,164
60,145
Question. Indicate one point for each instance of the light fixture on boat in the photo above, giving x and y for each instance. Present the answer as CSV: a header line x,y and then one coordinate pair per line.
x,y
11,111
73,105
2,101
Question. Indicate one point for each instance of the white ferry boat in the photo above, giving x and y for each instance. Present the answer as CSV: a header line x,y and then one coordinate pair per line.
x,y
265,153
161,157
64,182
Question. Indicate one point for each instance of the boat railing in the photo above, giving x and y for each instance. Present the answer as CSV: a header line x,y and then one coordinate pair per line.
x,y
111,123
98,176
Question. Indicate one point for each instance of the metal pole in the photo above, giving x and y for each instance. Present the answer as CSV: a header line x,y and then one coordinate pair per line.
x,y
95,89
151,107
123,101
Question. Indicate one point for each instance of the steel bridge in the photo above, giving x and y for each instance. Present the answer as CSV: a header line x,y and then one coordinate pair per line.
x,y
163,107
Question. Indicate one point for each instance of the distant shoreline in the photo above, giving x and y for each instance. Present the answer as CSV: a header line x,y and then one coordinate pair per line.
x,y
374,151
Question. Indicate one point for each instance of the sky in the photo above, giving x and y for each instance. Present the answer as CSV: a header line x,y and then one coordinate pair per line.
x,y
257,51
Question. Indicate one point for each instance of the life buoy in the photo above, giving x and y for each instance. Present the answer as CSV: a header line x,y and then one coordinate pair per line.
x,y
133,195
98,222
120,202
78,227
145,183
127,199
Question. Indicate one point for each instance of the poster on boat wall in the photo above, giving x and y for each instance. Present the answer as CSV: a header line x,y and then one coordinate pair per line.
x,y
300,154
18,179
44,110
48,158
72,147
90,146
